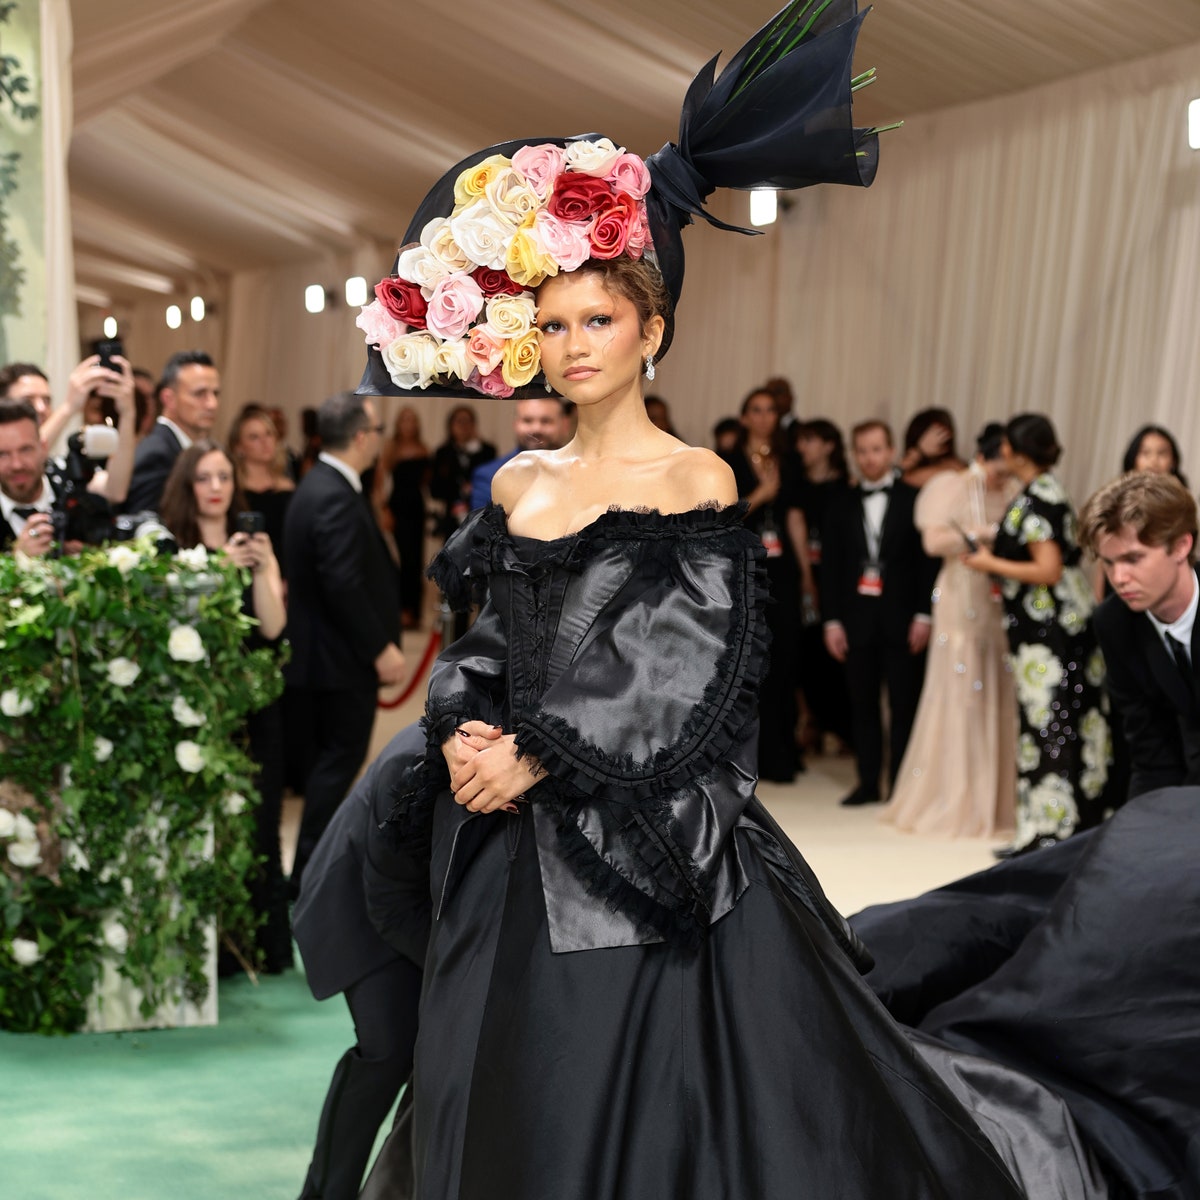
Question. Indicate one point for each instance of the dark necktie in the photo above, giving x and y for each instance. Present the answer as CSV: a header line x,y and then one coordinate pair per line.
x,y
1180,655
24,511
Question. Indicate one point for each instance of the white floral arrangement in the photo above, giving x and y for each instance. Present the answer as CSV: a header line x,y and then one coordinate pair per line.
x,y
460,307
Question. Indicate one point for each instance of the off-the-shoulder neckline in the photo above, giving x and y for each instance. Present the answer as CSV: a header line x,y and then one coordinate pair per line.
x,y
709,514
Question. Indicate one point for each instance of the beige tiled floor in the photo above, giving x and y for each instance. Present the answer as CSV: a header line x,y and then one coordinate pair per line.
x,y
859,860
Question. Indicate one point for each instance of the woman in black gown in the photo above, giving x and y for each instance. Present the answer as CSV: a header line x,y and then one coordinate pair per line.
x,y
634,987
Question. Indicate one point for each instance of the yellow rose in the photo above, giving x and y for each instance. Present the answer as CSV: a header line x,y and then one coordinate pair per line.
x,y
522,359
527,263
470,184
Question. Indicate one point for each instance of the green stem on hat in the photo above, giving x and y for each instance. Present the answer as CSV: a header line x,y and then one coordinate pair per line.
x,y
859,79
808,26
864,82
877,129
766,53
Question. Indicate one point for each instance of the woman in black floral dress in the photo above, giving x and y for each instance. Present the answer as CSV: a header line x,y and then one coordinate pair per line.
x,y
1064,746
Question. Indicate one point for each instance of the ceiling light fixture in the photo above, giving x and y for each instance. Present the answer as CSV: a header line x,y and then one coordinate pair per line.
x,y
314,298
174,316
764,207
110,327
356,291
197,308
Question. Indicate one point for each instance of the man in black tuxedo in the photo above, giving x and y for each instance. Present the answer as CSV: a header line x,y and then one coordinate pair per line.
x,y
878,584
362,925
343,612
1142,527
190,391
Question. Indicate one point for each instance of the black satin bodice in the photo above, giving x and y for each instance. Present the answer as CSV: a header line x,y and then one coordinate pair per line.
x,y
626,659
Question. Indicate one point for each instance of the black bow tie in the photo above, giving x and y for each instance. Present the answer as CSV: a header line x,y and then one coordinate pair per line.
x,y
876,489
25,511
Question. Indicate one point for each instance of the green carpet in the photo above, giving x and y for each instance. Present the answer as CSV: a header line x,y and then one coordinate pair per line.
x,y
174,1114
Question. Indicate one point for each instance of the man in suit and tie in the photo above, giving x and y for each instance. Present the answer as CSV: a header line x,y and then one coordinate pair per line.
x,y
343,612
190,391
1142,527
878,583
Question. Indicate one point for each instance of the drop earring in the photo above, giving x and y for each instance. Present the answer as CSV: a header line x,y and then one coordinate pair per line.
x,y
650,367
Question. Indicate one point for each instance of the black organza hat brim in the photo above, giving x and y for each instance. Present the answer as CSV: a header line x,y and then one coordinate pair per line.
x,y
788,127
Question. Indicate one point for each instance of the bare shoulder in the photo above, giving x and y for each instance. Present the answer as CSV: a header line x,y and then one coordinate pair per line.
x,y
514,479
697,476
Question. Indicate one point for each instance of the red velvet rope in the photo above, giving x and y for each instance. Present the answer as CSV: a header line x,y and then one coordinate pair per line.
x,y
431,649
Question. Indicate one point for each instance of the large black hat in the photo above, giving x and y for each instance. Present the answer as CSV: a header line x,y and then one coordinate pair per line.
x,y
779,116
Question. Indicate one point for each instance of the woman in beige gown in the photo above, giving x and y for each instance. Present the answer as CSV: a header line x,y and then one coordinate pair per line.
x,y
958,777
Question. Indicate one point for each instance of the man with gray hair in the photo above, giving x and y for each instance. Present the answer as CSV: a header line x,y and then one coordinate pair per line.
x,y
343,613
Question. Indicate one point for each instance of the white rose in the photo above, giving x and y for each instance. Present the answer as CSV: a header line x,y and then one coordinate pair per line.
x,y
102,749
410,360
185,714
25,952
451,359
115,935
24,830
483,235
511,316
124,558
510,197
25,854
593,158
417,265
8,823
438,239
122,672
13,704
184,644
196,558
234,803
189,756
127,885
75,856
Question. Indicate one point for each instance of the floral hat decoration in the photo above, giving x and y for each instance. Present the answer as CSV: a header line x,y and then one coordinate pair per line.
x,y
457,313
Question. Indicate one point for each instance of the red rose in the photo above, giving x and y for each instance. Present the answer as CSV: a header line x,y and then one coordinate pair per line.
x,y
576,197
402,300
496,283
610,231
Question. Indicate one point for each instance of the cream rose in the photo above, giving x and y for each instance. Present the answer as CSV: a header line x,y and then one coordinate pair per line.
x,y
124,558
122,672
510,197
409,360
451,359
511,316
185,645
483,235
417,265
24,830
75,856
522,359
454,305
25,854
102,749
234,803
593,158
438,238
185,714
13,704
189,756
8,823
25,952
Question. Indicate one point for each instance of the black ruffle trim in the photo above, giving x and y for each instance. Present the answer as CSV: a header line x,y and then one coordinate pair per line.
x,y
729,704
409,823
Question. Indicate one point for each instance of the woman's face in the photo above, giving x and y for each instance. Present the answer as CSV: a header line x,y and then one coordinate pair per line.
x,y
1154,454
593,345
815,451
462,427
213,484
995,473
408,425
760,417
257,441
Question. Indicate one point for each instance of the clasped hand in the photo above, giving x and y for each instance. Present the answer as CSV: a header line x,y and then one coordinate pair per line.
x,y
485,772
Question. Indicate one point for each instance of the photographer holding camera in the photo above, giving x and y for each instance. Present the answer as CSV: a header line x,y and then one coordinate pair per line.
x,y
45,500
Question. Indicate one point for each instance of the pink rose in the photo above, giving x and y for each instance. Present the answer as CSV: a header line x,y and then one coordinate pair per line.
x,y
485,349
609,233
455,303
491,384
564,241
402,300
639,233
541,166
629,174
378,324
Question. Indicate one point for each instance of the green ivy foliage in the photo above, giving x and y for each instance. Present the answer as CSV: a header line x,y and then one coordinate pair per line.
x,y
125,680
